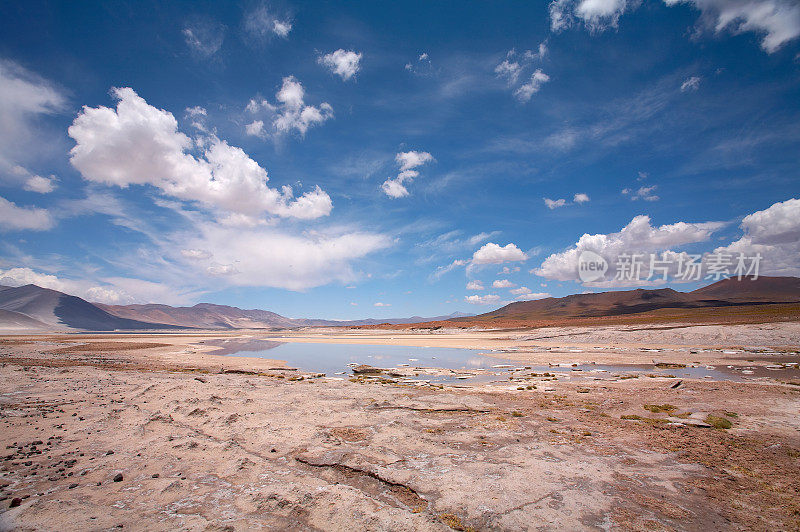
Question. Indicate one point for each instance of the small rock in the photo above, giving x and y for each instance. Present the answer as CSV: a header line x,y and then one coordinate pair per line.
x,y
155,475
16,501
108,453
73,485
118,477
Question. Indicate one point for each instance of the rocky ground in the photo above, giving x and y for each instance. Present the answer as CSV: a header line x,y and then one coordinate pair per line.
x,y
139,437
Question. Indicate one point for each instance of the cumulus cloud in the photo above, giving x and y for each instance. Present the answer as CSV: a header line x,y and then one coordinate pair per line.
x,y
690,84
538,78
642,193
14,218
492,253
503,283
475,285
523,293
343,63
554,204
138,144
488,299
777,20
639,236
596,15
775,234
580,198
394,187
516,63
577,199
290,113
263,24
32,182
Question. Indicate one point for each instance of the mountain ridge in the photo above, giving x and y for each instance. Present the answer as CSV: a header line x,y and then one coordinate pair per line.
x,y
31,307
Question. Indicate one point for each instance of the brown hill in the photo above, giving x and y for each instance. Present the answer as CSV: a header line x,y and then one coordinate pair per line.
x,y
727,292
727,301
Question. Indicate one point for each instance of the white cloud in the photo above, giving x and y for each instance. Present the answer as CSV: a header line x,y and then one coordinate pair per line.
x,y
503,283
492,253
255,128
775,234
196,254
422,66
441,270
381,304
554,204
290,113
636,237
267,256
538,78
777,20
488,299
32,182
509,70
394,187
580,198
263,24
596,15
14,218
515,64
690,84
475,285
112,290
523,293
343,63
642,193
204,37
24,99
138,144
281,28
42,185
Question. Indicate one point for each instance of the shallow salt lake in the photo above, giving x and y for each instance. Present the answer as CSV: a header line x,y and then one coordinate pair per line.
x,y
333,359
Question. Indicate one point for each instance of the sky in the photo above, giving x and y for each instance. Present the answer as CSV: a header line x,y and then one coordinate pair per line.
x,y
371,159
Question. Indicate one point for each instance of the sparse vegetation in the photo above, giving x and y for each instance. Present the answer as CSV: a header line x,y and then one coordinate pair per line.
x,y
718,422
659,409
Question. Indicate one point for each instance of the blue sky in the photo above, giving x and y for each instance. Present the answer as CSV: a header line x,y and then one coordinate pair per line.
x,y
428,147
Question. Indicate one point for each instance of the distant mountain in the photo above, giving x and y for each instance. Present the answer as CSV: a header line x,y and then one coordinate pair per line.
x,y
33,307
210,316
724,293
201,316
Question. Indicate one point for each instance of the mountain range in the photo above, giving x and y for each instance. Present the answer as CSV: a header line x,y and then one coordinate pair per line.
x,y
740,296
31,307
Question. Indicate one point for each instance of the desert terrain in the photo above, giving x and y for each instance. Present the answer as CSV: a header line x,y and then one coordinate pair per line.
x,y
156,432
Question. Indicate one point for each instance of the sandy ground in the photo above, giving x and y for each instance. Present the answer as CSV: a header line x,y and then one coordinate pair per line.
x,y
153,432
